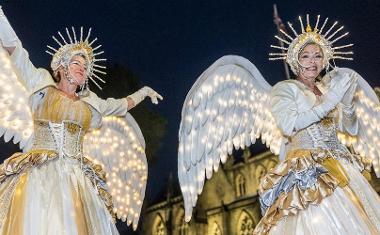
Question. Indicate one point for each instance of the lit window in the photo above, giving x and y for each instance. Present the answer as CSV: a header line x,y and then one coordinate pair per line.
x,y
245,224
184,228
159,226
216,229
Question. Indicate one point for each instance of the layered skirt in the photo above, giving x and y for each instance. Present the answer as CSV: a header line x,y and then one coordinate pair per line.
x,y
319,192
41,193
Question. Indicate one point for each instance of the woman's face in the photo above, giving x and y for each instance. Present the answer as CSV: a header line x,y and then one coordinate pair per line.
x,y
311,62
78,69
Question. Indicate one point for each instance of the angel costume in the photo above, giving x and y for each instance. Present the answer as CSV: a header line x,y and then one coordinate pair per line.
x,y
318,187
70,179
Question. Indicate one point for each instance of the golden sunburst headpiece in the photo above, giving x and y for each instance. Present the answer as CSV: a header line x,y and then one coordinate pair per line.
x,y
72,47
308,35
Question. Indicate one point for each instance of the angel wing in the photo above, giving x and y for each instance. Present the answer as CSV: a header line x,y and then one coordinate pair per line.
x,y
119,147
367,108
228,106
15,115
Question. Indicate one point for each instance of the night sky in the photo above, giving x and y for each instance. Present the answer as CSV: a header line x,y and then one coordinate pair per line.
x,y
168,44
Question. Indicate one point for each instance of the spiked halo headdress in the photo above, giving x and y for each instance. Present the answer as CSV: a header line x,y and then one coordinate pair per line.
x,y
309,35
73,46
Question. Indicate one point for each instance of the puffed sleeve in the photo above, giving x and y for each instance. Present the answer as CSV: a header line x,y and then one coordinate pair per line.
x,y
105,107
113,107
284,107
108,107
285,102
32,78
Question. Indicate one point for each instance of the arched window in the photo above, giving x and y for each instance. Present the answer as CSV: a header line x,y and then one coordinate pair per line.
x,y
245,224
216,229
240,185
159,226
182,226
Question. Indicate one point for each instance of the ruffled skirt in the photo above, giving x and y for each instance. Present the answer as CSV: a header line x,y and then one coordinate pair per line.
x,y
319,193
55,197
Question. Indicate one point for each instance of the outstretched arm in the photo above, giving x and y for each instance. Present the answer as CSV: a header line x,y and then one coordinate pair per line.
x,y
8,36
31,77
140,95
120,107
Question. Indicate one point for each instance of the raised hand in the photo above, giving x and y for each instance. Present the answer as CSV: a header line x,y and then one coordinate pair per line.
x,y
152,94
146,91
338,89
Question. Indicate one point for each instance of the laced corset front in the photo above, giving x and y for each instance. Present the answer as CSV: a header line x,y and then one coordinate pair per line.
x,y
320,135
60,124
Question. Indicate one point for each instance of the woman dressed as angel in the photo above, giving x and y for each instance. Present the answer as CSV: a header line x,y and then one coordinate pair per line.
x,y
52,188
319,185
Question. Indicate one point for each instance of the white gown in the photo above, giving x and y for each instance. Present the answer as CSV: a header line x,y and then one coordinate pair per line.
x,y
319,188
83,162
52,188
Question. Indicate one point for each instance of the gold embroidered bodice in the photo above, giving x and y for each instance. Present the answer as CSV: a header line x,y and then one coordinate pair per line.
x,y
60,123
57,107
320,135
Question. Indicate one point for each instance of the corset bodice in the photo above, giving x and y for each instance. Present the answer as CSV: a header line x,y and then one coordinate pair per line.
x,y
322,135
60,123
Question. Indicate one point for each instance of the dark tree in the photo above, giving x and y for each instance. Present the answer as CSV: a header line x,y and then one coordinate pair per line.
x,y
122,82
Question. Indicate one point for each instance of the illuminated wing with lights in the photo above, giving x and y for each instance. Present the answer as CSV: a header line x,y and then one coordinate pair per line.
x,y
227,107
119,147
367,108
15,115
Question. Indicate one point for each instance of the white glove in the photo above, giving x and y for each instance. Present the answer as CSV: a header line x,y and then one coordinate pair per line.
x,y
140,95
8,36
335,94
331,99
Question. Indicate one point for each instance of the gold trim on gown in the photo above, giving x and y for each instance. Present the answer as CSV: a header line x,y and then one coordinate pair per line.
x,y
309,179
83,180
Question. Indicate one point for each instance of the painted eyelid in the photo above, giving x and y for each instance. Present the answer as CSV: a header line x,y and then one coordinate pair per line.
x,y
75,62
78,63
306,55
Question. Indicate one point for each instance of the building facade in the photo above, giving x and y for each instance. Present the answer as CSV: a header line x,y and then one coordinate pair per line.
x,y
228,205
